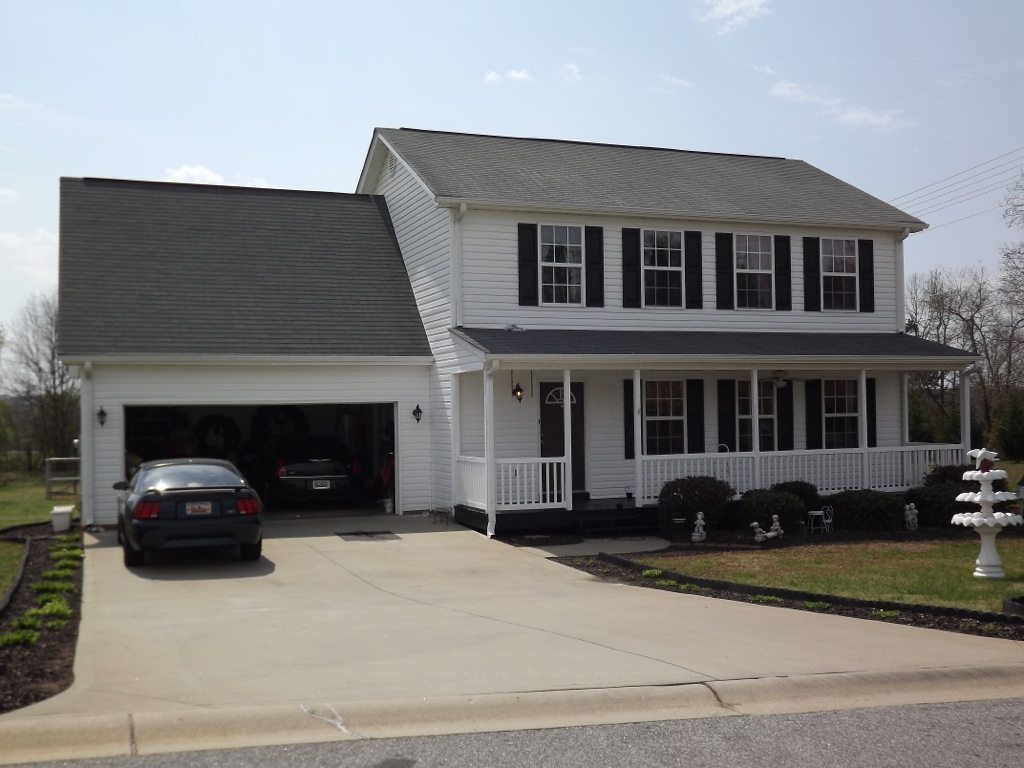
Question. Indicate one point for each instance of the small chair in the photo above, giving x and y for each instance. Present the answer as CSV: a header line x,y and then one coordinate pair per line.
x,y
827,516
815,520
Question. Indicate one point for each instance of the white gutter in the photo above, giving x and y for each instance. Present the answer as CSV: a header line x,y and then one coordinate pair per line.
x,y
901,293
216,359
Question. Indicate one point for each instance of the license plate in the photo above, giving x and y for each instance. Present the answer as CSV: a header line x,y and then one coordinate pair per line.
x,y
320,485
198,508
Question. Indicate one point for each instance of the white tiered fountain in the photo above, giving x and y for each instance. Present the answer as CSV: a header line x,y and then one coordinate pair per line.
x,y
987,523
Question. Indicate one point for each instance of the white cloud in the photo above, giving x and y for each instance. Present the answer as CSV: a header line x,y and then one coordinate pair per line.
x,y
10,103
30,262
572,73
731,15
764,69
6,149
512,75
193,174
836,107
7,195
677,82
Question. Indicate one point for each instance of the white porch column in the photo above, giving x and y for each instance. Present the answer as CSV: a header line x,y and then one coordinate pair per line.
x,y
456,422
86,445
755,426
965,413
638,441
862,427
905,409
567,430
490,466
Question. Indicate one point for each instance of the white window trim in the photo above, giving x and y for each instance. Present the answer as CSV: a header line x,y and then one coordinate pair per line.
x,y
541,264
736,272
825,415
755,434
681,269
823,274
646,418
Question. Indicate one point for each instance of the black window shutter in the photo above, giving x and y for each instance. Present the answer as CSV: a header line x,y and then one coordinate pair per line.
x,y
727,413
723,270
594,245
631,267
812,274
872,421
528,265
695,416
784,416
866,274
627,417
692,271
812,399
783,274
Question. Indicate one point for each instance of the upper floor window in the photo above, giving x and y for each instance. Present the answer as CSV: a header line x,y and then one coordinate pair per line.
x,y
561,264
840,413
754,272
665,417
663,268
766,416
838,274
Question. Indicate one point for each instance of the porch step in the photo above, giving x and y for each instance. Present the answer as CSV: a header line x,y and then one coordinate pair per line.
x,y
625,520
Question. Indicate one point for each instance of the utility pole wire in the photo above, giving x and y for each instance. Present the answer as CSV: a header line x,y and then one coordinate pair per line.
x,y
961,173
943,205
1016,165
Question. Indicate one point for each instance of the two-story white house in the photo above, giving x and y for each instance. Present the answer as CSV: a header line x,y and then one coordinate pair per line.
x,y
529,327
728,315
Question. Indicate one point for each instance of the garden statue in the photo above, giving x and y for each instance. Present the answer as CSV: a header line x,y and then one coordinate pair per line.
x,y
761,535
698,529
910,517
776,527
986,523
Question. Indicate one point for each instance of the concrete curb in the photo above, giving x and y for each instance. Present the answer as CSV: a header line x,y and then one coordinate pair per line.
x,y
31,738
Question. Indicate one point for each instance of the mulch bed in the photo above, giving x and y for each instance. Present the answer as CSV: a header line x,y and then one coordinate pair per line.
x,y
32,673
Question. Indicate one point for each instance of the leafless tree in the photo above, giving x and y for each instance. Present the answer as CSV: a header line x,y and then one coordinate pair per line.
x,y
35,375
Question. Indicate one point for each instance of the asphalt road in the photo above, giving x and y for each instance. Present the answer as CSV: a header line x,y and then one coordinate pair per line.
x,y
989,734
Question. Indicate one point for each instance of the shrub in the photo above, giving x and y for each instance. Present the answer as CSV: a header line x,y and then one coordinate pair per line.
x,y
937,503
651,573
19,637
866,510
760,505
687,496
665,583
55,607
1010,431
26,622
765,599
53,586
806,492
816,605
954,473
58,574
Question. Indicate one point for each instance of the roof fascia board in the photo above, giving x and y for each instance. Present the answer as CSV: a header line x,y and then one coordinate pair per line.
x,y
268,360
731,362
491,205
381,141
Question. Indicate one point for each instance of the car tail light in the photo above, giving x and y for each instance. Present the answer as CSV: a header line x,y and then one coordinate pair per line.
x,y
247,506
280,471
147,510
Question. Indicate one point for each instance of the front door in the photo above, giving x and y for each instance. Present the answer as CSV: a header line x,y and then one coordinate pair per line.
x,y
552,430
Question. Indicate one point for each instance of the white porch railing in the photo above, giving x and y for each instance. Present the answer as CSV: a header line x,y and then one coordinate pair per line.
x,y
471,481
521,483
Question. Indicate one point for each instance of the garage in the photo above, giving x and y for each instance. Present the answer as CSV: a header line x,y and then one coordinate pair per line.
x,y
355,442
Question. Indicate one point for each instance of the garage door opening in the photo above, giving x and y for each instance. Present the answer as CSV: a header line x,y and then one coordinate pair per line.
x,y
333,455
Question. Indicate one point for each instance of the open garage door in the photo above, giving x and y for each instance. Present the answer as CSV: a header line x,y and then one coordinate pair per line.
x,y
326,454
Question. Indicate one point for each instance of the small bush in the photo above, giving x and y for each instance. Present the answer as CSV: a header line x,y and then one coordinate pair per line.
x,y
55,607
54,586
954,473
26,622
687,496
687,587
806,492
816,605
58,574
55,624
880,613
765,599
19,637
651,573
71,539
665,583
866,510
760,505
64,554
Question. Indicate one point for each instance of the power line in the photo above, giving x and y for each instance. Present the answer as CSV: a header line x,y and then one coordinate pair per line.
x,y
961,173
943,205
1016,165
962,218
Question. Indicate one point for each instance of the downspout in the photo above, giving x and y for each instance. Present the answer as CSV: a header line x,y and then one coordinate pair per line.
x,y
901,294
455,283
86,467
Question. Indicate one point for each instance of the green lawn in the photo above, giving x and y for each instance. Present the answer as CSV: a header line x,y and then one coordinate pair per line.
x,y
22,500
925,572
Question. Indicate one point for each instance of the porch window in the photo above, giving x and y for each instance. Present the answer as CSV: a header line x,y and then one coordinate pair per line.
x,y
840,413
561,264
663,268
838,274
665,417
754,272
766,422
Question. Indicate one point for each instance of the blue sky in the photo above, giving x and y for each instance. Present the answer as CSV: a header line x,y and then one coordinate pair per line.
x,y
888,95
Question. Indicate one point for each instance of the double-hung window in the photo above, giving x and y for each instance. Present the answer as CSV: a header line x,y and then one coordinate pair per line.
x,y
840,413
838,274
766,426
665,417
561,264
663,268
754,272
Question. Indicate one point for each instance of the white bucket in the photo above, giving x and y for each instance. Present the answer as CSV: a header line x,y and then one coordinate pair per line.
x,y
389,506
61,518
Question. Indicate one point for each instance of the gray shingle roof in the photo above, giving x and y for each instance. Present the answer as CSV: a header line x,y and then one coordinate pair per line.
x,y
708,344
568,175
149,267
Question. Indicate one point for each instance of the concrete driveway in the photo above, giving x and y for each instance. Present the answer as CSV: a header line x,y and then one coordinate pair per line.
x,y
425,627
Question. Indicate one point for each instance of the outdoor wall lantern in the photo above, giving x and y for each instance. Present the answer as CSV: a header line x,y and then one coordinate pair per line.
x,y
417,413
101,416
517,392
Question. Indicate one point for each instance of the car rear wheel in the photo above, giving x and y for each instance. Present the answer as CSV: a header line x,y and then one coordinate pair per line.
x,y
251,551
133,558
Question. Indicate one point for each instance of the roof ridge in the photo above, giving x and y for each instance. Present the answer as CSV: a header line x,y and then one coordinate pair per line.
x,y
230,188
591,143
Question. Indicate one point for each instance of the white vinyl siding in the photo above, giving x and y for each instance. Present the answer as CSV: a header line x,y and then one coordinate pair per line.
x,y
490,287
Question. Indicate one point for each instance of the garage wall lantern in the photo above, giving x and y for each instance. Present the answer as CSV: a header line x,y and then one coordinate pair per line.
x,y
517,392
101,416
417,413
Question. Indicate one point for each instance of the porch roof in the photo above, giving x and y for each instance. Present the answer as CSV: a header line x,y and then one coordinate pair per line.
x,y
712,347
